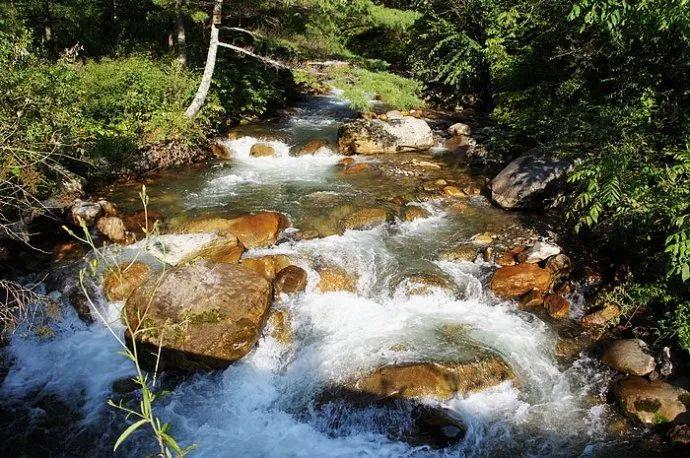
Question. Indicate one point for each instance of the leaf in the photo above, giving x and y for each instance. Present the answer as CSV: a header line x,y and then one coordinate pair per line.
x,y
127,432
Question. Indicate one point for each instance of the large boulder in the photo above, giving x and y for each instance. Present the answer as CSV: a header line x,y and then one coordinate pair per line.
x,y
651,402
262,150
259,230
521,181
365,136
203,315
431,379
513,281
268,265
630,356
120,281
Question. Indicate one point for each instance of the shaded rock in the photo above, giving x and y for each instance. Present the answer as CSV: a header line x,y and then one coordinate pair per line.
x,y
459,129
358,168
538,252
142,220
514,281
365,218
205,315
177,249
630,356
521,181
262,150
290,279
570,348
268,266
346,161
113,228
85,211
651,402
314,146
507,258
457,143
532,300
375,136
109,208
221,149
68,251
438,380
556,305
120,281
680,434
602,316
336,279
414,212
558,264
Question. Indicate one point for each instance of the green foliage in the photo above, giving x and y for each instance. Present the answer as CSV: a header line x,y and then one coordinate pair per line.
x,y
360,86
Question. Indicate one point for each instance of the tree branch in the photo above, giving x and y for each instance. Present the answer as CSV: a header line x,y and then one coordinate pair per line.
x,y
238,49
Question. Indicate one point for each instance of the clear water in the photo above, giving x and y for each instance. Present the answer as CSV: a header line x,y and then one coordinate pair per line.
x,y
266,404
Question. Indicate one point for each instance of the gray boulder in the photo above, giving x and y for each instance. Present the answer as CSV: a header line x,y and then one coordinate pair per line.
x,y
374,136
630,356
521,181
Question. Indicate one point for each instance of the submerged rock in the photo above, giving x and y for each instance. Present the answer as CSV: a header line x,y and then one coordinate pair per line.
x,y
556,305
365,218
438,380
315,146
602,316
419,285
85,211
278,326
177,249
204,315
375,136
514,281
630,356
651,402
465,252
414,212
521,181
120,281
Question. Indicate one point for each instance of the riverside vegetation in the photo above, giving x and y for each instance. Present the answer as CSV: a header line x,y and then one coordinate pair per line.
x,y
578,111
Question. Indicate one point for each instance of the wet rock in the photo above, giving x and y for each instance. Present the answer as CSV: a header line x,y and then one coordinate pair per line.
x,y
569,348
558,264
113,228
358,168
120,281
453,191
204,315
346,161
278,326
459,129
262,150
109,208
507,258
457,143
68,251
514,281
375,136
336,279
289,280
259,230
177,249
365,218
466,252
556,305
315,146
221,149
521,181
483,239
414,212
423,284
630,356
307,234
532,300
680,434
268,266
538,252
651,402
85,211
438,380
602,316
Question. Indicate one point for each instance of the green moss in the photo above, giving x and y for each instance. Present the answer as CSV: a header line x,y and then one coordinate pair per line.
x,y
360,86
206,317
647,405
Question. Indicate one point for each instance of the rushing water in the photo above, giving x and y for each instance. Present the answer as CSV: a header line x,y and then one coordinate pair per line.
x,y
266,404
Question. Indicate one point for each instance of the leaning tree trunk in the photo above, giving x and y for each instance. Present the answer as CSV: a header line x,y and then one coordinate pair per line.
x,y
200,96
181,35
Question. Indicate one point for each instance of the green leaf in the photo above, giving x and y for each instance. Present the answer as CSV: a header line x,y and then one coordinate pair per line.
x,y
127,432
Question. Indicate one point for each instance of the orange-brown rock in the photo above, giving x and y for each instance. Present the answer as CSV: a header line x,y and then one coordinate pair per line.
x,y
335,279
120,281
268,266
291,279
439,380
142,220
203,315
346,161
454,191
357,168
259,230
514,281
113,228
365,218
262,150
532,300
414,212
602,316
557,305
313,146
278,326
68,251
